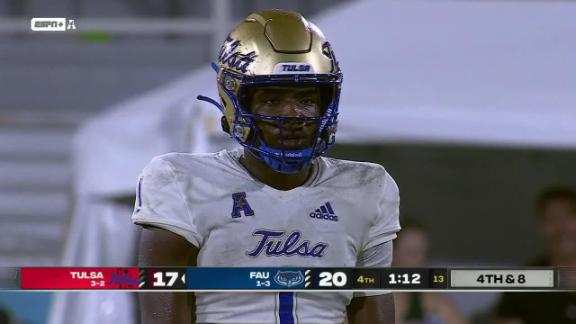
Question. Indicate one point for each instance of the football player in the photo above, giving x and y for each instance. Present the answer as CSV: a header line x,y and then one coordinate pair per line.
x,y
276,202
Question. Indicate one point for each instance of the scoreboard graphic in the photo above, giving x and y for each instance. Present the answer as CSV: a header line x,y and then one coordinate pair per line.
x,y
313,279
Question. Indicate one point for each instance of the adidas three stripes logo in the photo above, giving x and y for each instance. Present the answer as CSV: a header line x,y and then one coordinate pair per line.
x,y
325,212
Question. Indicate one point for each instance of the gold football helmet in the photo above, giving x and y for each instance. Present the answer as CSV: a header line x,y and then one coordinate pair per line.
x,y
277,47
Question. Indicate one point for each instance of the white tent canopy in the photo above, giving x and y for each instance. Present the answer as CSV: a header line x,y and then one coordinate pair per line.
x,y
500,73
496,73
129,134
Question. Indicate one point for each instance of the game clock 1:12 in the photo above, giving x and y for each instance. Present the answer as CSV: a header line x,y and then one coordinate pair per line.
x,y
405,278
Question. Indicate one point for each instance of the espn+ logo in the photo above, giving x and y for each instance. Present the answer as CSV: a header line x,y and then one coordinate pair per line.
x,y
52,24
325,212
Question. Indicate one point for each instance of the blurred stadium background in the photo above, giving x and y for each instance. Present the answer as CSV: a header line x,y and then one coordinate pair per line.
x,y
469,104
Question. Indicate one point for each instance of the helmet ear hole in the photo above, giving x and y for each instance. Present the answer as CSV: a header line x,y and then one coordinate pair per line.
x,y
225,125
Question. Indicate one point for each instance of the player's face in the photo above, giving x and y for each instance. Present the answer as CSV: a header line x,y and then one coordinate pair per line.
x,y
411,248
286,101
559,227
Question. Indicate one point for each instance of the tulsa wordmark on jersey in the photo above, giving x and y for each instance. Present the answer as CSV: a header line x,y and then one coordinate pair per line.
x,y
343,210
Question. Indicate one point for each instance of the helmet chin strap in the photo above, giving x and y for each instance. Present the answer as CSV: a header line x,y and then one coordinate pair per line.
x,y
285,161
212,101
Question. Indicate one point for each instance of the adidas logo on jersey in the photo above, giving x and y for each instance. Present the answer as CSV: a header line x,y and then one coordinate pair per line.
x,y
325,212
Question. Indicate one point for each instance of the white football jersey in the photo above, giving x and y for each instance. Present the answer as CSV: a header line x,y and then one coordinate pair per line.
x,y
344,209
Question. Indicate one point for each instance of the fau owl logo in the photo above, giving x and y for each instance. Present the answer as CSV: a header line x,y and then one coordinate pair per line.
x,y
273,243
289,278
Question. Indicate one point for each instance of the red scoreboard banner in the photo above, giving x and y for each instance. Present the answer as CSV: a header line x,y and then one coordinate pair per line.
x,y
79,278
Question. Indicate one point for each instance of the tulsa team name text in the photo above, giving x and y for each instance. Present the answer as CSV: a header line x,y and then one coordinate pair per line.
x,y
273,243
87,275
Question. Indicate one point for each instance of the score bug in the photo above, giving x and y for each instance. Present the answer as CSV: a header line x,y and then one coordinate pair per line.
x,y
405,278
166,278
329,279
261,278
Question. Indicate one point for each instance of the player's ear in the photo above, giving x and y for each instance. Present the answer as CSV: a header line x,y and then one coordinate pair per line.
x,y
225,125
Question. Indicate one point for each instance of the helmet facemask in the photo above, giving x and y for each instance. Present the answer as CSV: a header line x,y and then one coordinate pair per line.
x,y
248,126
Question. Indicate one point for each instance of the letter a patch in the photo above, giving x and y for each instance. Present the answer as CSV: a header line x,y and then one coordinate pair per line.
x,y
241,204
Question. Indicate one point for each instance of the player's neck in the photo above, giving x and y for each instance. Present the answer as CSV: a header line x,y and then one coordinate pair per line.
x,y
281,181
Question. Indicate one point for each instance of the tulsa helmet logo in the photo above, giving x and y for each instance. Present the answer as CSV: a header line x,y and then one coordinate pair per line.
x,y
289,278
274,243
231,56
